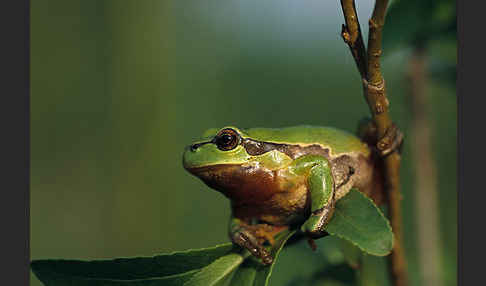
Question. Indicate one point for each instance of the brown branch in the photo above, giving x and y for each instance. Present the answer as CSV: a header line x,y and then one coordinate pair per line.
x,y
351,33
375,94
378,102
374,41
398,261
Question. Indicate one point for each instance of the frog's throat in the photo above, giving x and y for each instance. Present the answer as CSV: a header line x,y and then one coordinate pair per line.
x,y
221,177
239,182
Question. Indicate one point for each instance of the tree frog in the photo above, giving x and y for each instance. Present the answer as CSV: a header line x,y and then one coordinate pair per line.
x,y
276,178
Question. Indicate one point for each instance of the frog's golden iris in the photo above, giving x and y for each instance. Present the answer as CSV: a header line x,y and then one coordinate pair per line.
x,y
227,139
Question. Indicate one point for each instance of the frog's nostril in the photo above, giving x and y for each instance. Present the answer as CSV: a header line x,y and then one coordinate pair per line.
x,y
194,147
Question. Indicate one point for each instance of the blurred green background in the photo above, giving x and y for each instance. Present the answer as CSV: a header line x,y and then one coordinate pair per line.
x,y
120,87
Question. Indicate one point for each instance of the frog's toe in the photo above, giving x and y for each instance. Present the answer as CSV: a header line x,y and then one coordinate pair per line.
x,y
247,241
264,256
313,228
317,234
267,259
391,141
315,224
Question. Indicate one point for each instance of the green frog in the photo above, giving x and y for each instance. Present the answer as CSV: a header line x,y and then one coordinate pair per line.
x,y
280,178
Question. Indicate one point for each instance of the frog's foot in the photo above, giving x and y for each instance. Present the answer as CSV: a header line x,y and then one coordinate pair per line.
x,y
390,142
314,226
247,240
265,236
266,232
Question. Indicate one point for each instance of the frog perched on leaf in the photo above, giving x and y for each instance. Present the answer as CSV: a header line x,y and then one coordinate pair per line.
x,y
281,178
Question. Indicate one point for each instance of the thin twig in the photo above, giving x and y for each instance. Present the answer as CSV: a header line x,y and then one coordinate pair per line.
x,y
375,94
374,41
351,33
379,104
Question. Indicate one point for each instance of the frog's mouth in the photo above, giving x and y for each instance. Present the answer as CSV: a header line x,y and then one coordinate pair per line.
x,y
204,169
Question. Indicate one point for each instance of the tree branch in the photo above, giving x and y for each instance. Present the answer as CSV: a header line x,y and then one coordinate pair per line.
x,y
374,41
351,33
375,94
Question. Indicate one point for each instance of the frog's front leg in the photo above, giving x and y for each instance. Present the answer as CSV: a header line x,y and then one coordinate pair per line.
x,y
244,235
321,187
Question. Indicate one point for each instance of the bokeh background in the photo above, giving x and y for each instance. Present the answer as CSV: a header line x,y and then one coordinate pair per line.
x,y
120,87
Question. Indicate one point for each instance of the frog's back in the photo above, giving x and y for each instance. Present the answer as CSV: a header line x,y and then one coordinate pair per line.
x,y
339,141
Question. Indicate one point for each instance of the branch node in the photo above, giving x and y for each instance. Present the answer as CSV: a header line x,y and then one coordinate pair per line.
x,y
377,53
376,95
373,24
346,36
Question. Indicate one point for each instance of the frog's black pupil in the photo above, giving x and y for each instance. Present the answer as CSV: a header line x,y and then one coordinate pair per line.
x,y
226,139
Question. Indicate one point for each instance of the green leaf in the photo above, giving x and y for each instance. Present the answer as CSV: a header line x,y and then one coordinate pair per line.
x,y
216,271
167,269
330,248
352,254
210,266
358,220
245,275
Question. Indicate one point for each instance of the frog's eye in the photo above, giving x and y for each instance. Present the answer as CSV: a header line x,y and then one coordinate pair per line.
x,y
227,139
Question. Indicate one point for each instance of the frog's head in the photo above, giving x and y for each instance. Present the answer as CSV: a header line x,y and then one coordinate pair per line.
x,y
217,147
228,159
217,158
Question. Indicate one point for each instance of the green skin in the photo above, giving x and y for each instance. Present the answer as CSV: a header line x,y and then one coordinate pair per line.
x,y
280,178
